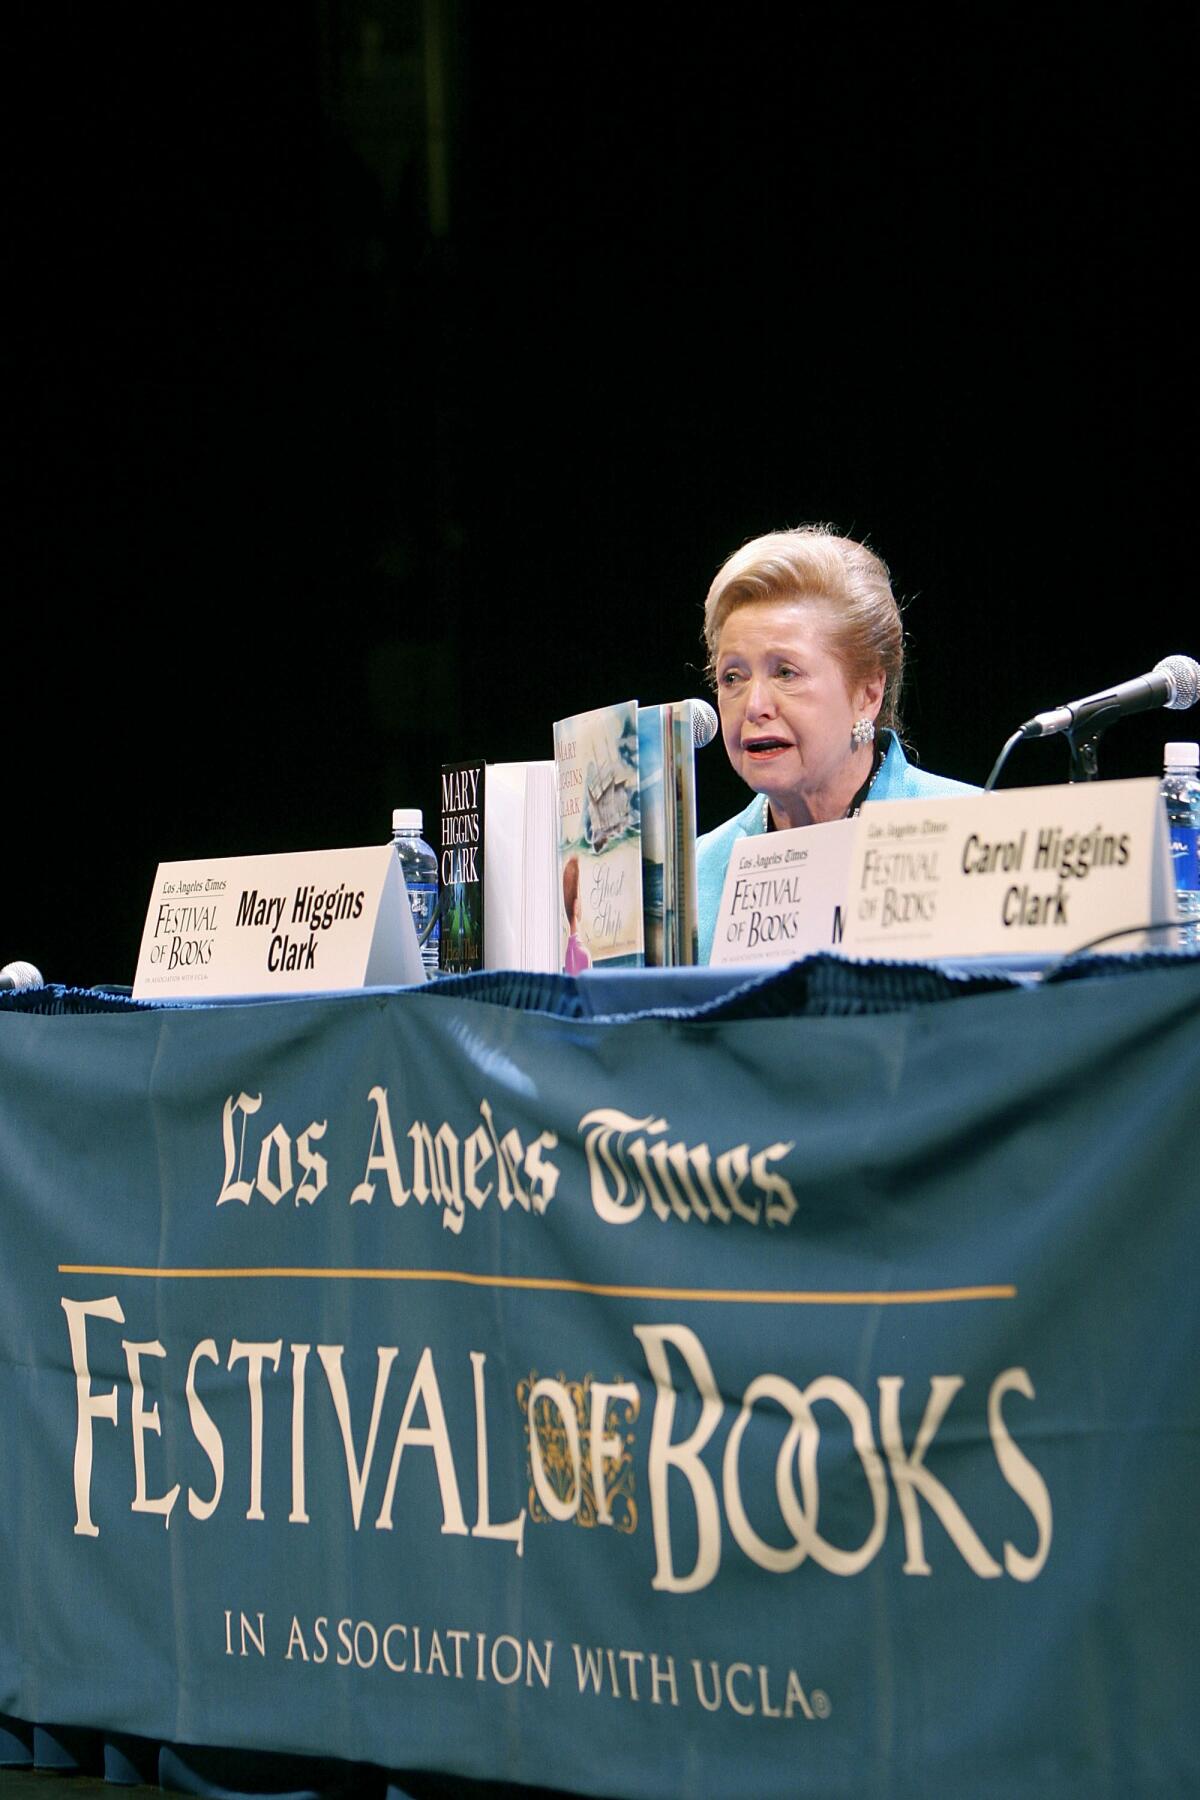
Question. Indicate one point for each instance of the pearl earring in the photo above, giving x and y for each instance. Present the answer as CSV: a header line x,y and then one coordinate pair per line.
x,y
862,732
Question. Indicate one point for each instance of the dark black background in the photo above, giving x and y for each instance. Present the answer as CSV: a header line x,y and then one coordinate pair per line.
x,y
388,381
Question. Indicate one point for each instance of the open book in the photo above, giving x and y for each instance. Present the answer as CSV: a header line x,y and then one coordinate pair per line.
x,y
626,836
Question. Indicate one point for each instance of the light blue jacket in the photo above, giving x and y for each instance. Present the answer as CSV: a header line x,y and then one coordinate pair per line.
x,y
897,780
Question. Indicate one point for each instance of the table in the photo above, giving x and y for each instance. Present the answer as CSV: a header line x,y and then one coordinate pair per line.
x,y
777,1383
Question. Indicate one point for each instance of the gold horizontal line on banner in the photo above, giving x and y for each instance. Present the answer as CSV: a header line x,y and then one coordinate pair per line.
x,y
540,1283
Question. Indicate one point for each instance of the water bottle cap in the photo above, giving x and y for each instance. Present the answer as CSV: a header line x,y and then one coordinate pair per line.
x,y
407,818
1181,756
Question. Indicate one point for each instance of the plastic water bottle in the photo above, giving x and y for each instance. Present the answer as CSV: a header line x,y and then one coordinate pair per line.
x,y
420,865
1181,796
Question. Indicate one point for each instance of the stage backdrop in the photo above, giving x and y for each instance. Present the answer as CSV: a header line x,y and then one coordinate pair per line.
x,y
659,1406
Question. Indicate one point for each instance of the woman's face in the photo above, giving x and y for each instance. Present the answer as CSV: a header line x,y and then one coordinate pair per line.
x,y
786,710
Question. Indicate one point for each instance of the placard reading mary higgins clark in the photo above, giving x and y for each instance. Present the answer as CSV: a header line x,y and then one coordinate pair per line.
x,y
309,922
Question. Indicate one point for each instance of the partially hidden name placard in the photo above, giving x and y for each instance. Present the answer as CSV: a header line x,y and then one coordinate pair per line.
x,y
1025,872
785,894
303,923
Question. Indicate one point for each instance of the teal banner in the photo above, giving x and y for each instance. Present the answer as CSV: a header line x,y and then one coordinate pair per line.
x,y
674,1403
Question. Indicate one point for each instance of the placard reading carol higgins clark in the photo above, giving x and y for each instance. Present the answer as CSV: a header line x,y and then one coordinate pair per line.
x,y
303,923
1031,870
784,894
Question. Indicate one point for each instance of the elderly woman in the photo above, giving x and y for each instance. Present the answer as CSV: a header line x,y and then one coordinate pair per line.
x,y
806,648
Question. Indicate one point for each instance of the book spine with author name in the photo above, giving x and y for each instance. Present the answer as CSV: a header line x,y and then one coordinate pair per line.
x,y
460,867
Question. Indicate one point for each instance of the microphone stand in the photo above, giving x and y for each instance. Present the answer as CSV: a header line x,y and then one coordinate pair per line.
x,y
1083,738
1084,766
1174,682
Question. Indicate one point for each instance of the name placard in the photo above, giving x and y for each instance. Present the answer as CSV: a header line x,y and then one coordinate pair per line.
x,y
1024,872
785,893
302,923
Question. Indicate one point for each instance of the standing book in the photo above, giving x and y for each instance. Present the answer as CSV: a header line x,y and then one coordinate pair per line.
x,y
460,868
599,839
498,867
667,781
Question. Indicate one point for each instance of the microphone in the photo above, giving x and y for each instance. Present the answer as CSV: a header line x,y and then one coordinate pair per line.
x,y
704,720
15,976
1173,682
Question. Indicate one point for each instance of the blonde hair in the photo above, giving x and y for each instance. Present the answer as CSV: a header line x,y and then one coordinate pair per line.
x,y
843,577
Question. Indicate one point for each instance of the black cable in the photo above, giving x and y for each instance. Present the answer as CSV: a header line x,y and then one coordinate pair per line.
x,y
1001,760
1126,931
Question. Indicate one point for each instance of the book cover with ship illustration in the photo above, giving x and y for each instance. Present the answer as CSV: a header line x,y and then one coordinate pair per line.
x,y
599,838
